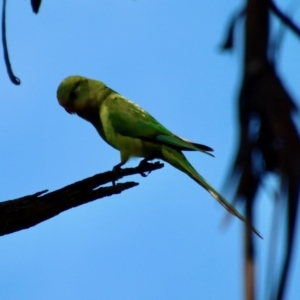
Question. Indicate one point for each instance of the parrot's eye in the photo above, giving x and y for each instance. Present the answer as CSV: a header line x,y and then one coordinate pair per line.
x,y
74,92
73,95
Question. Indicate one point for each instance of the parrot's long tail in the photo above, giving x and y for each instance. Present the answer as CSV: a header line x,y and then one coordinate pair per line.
x,y
179,161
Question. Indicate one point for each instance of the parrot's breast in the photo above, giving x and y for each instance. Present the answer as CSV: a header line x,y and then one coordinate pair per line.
x,y
132,147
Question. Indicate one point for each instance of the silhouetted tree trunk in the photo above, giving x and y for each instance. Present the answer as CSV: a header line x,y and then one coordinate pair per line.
x,y
268,139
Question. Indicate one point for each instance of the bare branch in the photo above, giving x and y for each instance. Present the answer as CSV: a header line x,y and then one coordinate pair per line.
x,y
31,210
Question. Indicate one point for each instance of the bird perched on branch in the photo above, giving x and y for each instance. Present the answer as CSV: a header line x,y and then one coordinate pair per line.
x,y
131,130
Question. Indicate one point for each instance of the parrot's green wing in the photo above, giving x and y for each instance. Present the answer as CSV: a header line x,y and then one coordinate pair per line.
x,y
129,119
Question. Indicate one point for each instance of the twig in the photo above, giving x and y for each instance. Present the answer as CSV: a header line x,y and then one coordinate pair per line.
x,y
284,19
11,75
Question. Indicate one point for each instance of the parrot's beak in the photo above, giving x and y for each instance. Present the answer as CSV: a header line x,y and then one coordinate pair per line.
x,y
68,110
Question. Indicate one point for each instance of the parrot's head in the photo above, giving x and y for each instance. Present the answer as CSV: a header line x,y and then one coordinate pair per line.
x,y
73,94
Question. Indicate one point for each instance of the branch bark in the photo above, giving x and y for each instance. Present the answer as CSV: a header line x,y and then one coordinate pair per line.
x,y
28,211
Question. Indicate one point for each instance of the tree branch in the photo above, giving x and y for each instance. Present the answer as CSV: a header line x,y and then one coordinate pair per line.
x,y
28,211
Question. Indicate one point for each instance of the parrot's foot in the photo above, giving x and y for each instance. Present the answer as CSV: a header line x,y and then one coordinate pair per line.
x,y
144,163
117,173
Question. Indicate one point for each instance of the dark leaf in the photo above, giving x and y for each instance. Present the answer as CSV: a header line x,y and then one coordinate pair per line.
x,y
35,4
228,43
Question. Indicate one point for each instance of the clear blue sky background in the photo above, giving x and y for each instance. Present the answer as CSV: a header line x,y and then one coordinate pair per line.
x,y
162,239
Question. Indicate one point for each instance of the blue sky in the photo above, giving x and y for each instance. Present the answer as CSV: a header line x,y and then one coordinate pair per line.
x,y
162,239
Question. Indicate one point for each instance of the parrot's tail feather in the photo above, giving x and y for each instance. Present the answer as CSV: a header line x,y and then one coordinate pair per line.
x,y
197,147
178,160
201,147
181,144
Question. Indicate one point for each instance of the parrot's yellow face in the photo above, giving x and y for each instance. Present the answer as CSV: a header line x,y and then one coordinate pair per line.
x,y
73,94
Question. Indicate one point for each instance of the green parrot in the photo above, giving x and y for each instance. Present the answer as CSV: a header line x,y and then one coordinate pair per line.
x,y
134,132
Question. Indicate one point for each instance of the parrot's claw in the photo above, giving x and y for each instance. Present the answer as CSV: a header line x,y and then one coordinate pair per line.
x,y
144,174
144,162
117,173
